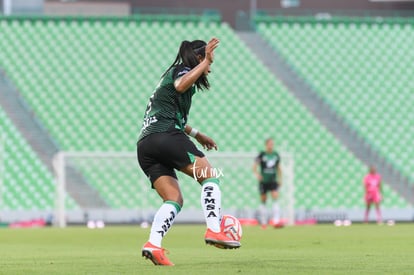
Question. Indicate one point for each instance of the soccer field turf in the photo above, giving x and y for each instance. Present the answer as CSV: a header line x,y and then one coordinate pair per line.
x,y
320,249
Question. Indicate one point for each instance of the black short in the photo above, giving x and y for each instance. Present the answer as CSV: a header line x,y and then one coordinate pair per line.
x,y
265,187
160,153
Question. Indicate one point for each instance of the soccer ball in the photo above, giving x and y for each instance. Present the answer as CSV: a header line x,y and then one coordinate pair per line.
x,y
231,226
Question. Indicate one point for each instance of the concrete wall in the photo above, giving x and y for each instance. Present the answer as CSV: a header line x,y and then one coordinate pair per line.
x,y
229,9
87,8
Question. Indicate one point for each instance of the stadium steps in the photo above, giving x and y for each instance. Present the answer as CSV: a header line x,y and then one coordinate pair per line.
x,y
43,145
325,114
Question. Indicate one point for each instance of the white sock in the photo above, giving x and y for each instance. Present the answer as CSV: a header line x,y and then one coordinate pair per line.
x,y
163,221
211,203
276,212
263,214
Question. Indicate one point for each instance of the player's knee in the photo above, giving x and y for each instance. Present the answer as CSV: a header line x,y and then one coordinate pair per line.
x,y
179,201
200,180
210,180
202,170
202,177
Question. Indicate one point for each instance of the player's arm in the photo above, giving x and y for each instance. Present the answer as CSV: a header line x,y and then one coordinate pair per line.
x,y
279,174
380,187
207,142
364,184
255,170
185,82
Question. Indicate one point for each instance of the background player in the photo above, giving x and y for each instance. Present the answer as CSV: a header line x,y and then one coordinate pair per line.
x,y
372,186
269,178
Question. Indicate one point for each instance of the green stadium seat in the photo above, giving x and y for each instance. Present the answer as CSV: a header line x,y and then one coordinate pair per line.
x,y
89,81
27,184
358,85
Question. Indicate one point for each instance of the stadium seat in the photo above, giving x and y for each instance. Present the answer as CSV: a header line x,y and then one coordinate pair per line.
x,y
356,87
88,83
26,182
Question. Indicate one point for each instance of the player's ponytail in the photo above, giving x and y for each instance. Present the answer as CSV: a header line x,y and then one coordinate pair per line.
x,y
188,55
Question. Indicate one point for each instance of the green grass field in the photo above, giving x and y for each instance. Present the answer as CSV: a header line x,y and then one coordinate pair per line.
x,y
321,249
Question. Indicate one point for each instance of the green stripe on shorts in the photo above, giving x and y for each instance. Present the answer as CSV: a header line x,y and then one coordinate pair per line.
x,y
191,157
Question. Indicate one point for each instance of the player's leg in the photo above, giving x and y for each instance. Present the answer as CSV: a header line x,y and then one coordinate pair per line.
x,y
186,157
164,181
262,207
276,209
168,189
377,201
202,171
180,152
378,211
367,208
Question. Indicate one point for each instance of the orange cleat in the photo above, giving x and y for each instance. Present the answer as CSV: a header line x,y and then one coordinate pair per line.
x,y
155,254
220,240
279,225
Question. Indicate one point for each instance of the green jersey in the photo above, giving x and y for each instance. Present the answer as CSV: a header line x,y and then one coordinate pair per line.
x,y
167,109
268,165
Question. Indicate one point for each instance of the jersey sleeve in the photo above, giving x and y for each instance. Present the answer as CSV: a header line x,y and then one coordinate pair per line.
x,y
278,159
258,159
180,71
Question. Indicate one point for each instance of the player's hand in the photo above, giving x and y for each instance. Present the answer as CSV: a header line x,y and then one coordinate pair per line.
x,y
210,47
259,177
206,142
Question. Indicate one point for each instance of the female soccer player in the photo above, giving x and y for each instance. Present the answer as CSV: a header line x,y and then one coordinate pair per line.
x,y
270,179
372,186
164,145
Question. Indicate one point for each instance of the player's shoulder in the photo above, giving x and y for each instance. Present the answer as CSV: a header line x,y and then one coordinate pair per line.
x,y
276,153
172,74
261,154
180,70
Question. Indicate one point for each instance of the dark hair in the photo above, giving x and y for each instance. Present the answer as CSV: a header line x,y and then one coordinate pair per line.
x,y
188,55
